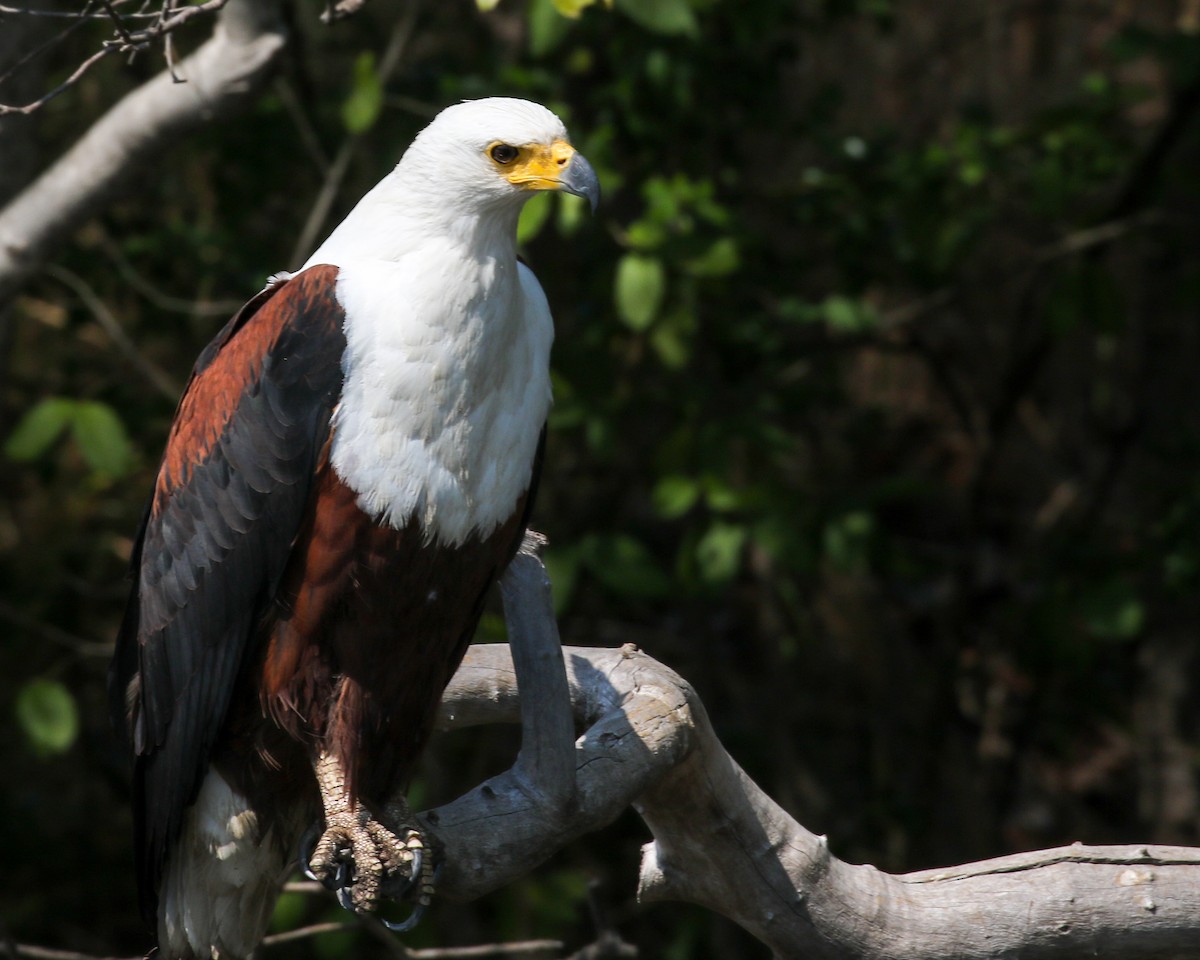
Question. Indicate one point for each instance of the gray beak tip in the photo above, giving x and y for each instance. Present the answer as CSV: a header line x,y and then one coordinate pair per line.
x,y
581,180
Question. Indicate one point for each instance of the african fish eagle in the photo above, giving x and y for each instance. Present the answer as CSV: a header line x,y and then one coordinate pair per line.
x,y
350,468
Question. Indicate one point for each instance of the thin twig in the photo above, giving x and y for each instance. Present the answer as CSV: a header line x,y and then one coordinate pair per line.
x,y
158,298
44,46
303,933
303,124
517,948
303,886
33,952
127,43
337,170
385,937
80,645
118,23
75,14
169,57
1080,241
161,380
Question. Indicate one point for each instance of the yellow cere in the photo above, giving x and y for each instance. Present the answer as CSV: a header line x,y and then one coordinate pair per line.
x,y
537,166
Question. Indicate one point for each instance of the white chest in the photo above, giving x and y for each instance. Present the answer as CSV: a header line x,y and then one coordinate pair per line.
x,y
447,387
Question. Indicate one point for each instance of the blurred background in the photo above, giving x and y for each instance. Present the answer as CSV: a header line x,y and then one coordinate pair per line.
x,y
876,414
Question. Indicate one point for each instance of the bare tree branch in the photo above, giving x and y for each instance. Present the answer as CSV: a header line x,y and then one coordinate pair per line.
x,y
222,75
720,842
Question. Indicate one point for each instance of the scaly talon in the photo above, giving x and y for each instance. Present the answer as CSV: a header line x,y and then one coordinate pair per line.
x,y
361,856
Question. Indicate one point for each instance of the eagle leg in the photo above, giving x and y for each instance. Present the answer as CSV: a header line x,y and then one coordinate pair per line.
x,y
359,855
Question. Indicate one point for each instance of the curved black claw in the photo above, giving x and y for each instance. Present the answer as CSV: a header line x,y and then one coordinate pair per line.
x,y
414,877
341,885
308,843
398,886
419,909
405,925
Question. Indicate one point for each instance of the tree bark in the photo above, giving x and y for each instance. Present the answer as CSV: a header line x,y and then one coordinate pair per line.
x,y
720,842
222,75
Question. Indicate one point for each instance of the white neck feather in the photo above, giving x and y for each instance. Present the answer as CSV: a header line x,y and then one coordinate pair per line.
x,y
446,368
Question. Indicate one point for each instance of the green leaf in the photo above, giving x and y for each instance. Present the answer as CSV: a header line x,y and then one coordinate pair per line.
x,y
719,552
624,565
1112,611
640,286
102,439
672,339
720,496
336,944
547,27
361,108
645,235
39,428
848,315
572,8
719,260
571,211
675,495
562,566
487,5
289,911
671,17
533,217
46,711
847,541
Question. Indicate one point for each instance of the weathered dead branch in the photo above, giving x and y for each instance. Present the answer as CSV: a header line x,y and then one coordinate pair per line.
x,y
720,842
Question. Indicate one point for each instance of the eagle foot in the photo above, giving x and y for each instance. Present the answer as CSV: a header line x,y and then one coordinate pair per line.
x,y
364,857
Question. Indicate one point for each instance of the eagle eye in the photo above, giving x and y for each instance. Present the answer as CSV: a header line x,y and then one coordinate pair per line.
x,y
504,153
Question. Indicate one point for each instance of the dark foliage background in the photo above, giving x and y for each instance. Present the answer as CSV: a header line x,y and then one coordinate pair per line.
x,y
876,416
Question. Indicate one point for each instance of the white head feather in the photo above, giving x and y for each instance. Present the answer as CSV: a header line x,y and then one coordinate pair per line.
x,y
445,183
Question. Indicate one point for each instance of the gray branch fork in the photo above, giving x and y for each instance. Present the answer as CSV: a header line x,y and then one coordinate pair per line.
x,y
720,842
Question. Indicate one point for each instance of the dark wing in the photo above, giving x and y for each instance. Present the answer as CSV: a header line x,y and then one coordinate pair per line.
x,y
229,499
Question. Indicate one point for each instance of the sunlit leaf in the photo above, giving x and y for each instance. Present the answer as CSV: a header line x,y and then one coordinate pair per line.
x,y
571,213
533,217
673,17
573,8
848,315
675,495
719,552
102,439
672,338
47,713
361,108
719,260
39,428
640,286
547,27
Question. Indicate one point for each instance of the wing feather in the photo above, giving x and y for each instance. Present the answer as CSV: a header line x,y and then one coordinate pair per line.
x,y
229,500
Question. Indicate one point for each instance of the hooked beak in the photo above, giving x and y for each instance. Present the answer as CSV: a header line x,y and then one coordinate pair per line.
x,y
580,179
